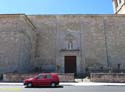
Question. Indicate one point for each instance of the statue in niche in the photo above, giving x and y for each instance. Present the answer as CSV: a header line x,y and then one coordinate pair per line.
x,y
70,45
69,38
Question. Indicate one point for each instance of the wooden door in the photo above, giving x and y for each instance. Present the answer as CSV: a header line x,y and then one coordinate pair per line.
x,y
70,64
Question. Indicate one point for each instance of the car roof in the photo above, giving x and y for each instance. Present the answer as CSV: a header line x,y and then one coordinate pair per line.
x,y
48,73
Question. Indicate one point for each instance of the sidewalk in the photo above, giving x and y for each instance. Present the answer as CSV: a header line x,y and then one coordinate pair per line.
x,y
92,84
72,84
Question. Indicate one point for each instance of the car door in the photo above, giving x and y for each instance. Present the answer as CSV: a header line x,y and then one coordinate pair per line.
x,y
46,80
40,80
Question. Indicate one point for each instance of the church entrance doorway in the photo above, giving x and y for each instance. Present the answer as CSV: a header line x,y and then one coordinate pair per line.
x,y
70,64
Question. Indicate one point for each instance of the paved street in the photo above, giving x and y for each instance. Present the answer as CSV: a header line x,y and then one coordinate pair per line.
x,y
64,89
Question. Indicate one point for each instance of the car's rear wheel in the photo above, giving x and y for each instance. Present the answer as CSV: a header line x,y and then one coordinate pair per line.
x,y
53,84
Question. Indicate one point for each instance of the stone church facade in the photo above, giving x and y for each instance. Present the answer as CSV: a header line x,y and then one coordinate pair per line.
x,y
61,43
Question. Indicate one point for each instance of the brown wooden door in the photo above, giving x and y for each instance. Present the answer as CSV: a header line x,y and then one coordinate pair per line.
x,y
70,64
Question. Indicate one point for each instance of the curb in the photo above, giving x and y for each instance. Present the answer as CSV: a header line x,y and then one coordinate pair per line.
x,y
21,84
11,84
71,84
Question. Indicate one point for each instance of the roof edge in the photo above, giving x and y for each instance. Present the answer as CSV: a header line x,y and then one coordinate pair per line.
x,y
29,21
103,15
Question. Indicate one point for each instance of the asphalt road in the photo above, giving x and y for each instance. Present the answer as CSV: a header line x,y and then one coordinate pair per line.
x,y
64,89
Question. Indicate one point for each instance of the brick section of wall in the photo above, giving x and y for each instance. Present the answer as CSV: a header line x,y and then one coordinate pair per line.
x,y
10,77
108,77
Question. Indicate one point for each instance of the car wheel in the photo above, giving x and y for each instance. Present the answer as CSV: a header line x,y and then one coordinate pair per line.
x,y
29,85
53,84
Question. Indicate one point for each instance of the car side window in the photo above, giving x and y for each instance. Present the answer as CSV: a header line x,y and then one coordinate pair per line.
x,y
49,76
40,76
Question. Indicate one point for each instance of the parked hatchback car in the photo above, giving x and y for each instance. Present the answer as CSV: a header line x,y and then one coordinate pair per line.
x,y
44,79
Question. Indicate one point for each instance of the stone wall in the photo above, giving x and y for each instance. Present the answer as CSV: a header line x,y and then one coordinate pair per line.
x,y
16,43
93,42
115,38
45,56
10,77
99,41
107,77
40,42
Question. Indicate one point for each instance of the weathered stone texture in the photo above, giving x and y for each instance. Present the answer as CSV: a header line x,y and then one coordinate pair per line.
x,y
42,41
15,47
46,42
114,27
108,77
93,41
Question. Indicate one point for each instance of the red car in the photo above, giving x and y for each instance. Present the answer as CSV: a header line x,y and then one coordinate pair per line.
x,y
44,79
